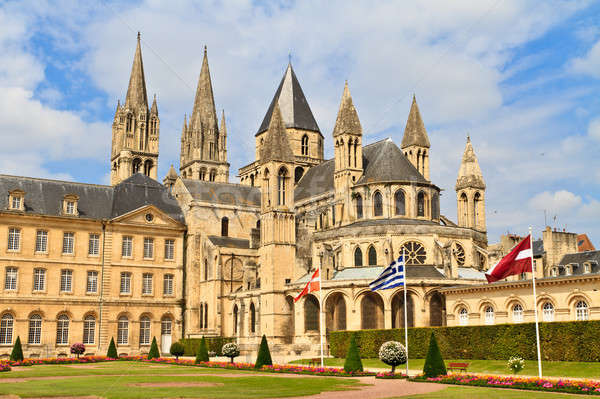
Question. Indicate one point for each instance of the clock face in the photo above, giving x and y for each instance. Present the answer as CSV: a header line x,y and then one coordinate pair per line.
x,y
149,217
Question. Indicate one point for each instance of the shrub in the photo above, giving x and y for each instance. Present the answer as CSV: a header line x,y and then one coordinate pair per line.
x,y
264,355
353,362
17,352
393,354
154,353
202,355
77,349
112,350
213,344
231,350
434,364
177,350
516,364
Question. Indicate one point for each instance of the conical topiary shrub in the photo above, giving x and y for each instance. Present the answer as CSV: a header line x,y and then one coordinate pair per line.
x,y
154,353
264,355
353,362
434,363
17,351
112,350
202,354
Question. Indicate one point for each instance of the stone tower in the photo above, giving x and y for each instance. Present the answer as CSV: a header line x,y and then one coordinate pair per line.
x,y
203,146
347,137
470,191
278,226
415,143
135,129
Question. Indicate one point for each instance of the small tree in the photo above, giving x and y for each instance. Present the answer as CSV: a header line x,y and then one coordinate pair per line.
x,y
112,350
393,354
434,364
516,364
264,355
230,350
17,352
353,362
77,349
154,353
202,354
177,349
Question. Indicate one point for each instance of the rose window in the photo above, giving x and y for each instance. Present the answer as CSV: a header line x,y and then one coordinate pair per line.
x,y
414,252
459,254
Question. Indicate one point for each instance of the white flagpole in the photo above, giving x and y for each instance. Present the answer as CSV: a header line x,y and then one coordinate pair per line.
x,y
405,313
537,327
321,312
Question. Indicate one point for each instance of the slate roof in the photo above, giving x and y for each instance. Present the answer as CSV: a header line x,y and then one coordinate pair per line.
x,y
294,107
577,259
415,132
44,197
223,193
230,242
372,272
382,161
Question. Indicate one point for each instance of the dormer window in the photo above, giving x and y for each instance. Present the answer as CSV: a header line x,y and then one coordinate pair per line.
x,y
587,268
568,270
16,200
70,205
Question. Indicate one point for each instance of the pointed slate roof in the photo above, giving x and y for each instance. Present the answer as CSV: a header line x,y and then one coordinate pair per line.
x,y
347,119
415,133
469,174
292,102
136,92
204,111
276,146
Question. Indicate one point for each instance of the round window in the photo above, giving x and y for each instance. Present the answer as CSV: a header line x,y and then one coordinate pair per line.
x,y
459,254
414,252
149,217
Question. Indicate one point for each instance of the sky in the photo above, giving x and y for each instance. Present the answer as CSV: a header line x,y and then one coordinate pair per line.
x,y
522,78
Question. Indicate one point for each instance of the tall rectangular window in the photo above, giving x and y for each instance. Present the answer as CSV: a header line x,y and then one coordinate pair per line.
x,y
147,283
10,279
68,243
66,280
168,284
41,241
39,279
127,247
94,248
169,249
14,239
125,283
16,202
148,248
92,282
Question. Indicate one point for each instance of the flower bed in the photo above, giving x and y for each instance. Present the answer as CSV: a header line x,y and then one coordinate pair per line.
x,y
58,360
531,383
388,375
4,367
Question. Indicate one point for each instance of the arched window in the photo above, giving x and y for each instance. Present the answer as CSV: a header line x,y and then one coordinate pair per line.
x,y
358,260
548,311
489,315
517,313
153,126
201,315
377,204
252,318
463,317
267,184
305,145
252,180
145,330
419,161
359,206
224,227
463,210
147,167
35,329
372,256
129,126
421,204
281,182
311,313
235,319
89,329
202,174
213,175
581,311
206,315
355,152
399,203
476,216
298,173
349,153
136,165
62,330
123,330
6,329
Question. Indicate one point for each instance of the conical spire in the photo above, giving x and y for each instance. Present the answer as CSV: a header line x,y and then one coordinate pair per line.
x,y
415,133
154,109
347,119
223,128
172,173
276,146
204,112
469,174
136,92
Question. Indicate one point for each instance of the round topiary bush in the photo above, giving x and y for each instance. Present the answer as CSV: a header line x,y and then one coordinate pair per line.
x,y
77,349
177,349
393,354
230,350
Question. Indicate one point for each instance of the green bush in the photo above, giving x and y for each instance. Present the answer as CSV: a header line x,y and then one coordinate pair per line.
x,y
578,341
177,350
112,350
434,364
264,355
202,355
353,362
154,353
213,344
17,352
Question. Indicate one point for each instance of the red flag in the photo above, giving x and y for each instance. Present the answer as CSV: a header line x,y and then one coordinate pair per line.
x,y
516,262
313,285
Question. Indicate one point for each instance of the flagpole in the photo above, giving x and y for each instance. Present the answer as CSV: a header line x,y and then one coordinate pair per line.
x,y
405,313
321,310
537,327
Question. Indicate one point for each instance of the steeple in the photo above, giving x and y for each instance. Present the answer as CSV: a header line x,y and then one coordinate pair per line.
x,y
415,143
469,174
136,92
470,191
276,146
347,121
154,109
204,112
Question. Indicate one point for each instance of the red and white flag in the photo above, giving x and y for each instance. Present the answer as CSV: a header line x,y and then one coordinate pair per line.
x,y
313,285
516,262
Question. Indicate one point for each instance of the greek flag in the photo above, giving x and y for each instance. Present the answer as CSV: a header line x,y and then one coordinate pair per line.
x,y
392,276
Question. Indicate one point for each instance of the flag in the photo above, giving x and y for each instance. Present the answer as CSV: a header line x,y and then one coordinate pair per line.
x,y
313,285
392,276
516,262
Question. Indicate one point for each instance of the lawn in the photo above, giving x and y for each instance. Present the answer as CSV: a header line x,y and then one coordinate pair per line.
x,y
550,369
123,379
490,393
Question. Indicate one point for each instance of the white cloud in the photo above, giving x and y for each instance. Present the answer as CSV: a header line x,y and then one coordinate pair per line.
x,y
589,64
594,129
557,202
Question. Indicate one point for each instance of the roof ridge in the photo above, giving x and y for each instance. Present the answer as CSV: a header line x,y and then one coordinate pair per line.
x,y
220,183
57,181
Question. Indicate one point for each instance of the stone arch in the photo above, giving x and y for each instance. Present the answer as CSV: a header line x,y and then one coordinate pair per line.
x,y
460,304
477,209
335,312
358,256
304,145
282,177
510,302
371,311
358,203
484,302
298,173
422,204
575,296
437,310
397,302
148,166
136,165
290,326
542,299
311,313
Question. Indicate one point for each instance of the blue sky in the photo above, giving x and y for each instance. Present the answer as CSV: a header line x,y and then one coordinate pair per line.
x,y
521,77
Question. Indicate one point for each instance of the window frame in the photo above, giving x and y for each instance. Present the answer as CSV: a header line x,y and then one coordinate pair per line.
x,y
548,312
148,251
94,244
68,239
168,284
517,314
14,239
41,241
377,204
127,247
34,331
125,281
66,281
463,316
490,317
147,284
122,331
91,280
169,249
39,279
582,310
145,330
62,330
11,280
89,330
7,326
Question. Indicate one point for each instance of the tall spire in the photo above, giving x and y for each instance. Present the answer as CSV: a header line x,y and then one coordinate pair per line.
x,y
469,174
276,146
136,92
204,112
415,133
347,119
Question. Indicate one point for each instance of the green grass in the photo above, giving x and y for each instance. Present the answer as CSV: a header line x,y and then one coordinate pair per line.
x,y
489,393
550,369
113,380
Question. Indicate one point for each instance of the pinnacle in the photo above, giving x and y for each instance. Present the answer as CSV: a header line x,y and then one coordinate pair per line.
x,y
136,92
347,121
415,133
469,174
172,173
154,108
276,146
223,127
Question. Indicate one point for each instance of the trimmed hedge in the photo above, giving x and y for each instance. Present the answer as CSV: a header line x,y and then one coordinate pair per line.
x,y
213,344
575,341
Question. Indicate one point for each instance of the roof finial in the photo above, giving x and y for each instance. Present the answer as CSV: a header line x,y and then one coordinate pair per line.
x,y
468,137
139,36
205,49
